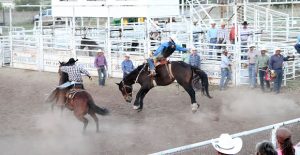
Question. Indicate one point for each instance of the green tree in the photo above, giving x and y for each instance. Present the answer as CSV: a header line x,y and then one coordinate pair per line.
x,y
27,2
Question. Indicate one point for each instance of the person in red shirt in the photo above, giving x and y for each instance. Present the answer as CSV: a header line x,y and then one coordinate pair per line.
x,y
232,34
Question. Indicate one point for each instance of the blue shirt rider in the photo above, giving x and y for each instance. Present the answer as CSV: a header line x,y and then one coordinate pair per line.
x,y
161,52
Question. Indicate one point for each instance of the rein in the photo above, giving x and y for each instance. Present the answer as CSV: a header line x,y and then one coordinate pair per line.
x,y
139,73
124,88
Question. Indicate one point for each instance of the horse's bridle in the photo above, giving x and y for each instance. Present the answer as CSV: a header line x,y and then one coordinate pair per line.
x,y
124,88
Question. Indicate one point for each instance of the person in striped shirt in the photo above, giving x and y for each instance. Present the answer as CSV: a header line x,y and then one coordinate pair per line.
x,y
74,73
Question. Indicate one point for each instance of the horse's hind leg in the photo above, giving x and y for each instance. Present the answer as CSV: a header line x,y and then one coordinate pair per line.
x,y
95,119
82,119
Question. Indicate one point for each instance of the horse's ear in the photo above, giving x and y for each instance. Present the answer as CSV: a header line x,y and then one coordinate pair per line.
x,y
60,62
118,84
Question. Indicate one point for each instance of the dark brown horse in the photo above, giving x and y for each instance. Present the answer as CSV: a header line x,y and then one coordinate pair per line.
x,y
183,73
76,99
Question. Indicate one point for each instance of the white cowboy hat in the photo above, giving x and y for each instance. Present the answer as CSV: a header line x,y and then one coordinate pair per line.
x,y
277,49
252,45
223,23
264,49
193,48
127,55
100,50
228,145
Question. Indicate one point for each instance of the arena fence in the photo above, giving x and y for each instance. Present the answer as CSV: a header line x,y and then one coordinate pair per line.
x,y
250,139
42,47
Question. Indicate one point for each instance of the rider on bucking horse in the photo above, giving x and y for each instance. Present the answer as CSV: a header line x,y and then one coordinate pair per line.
x,y
164,51
74,74
74,81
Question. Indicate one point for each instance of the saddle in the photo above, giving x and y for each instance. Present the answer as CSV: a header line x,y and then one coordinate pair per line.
x,y
74,90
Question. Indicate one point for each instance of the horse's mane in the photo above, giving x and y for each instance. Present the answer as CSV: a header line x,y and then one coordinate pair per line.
x,y
63,76
133,74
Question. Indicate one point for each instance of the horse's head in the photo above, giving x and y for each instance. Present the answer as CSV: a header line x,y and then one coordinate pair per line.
x,y
64,76
126,91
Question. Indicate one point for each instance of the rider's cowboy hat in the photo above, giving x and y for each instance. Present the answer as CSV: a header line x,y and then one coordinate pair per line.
x,y
72,60
227,145
245,23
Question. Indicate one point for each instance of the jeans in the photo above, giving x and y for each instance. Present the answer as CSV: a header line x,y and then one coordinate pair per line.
x,y
278,80
252,75
67,84
102,75
212,41
244,50
262,74
225,78
151,63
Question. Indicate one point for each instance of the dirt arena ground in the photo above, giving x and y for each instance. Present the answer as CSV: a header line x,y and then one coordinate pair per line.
x,y
28,127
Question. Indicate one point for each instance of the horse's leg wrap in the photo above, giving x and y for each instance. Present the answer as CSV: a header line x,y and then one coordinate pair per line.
x,y
136,107
195,106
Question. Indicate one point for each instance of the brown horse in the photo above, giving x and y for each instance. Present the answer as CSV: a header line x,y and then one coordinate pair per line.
x,y
77,100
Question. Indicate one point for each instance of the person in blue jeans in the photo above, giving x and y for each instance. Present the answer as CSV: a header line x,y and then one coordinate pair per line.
x,y
101,65
164,51
225,70
276,65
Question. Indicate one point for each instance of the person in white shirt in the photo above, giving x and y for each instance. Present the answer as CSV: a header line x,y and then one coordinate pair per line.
x,y
252,57
225,70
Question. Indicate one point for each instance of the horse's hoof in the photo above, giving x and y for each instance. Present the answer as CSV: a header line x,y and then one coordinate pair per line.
x,y
136,107
195,106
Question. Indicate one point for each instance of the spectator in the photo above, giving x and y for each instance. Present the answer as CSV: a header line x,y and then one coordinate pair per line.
x,y
226,145
222,35
127,66
196,31
194,58
265,148
186,57
212,35
284,142
297,45
245,33
261,68
276,66
252,56
101,65
232,34
155,31
225,70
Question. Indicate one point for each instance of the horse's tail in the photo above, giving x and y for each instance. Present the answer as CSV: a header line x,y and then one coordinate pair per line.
x,y
52,96
204,81
98,110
